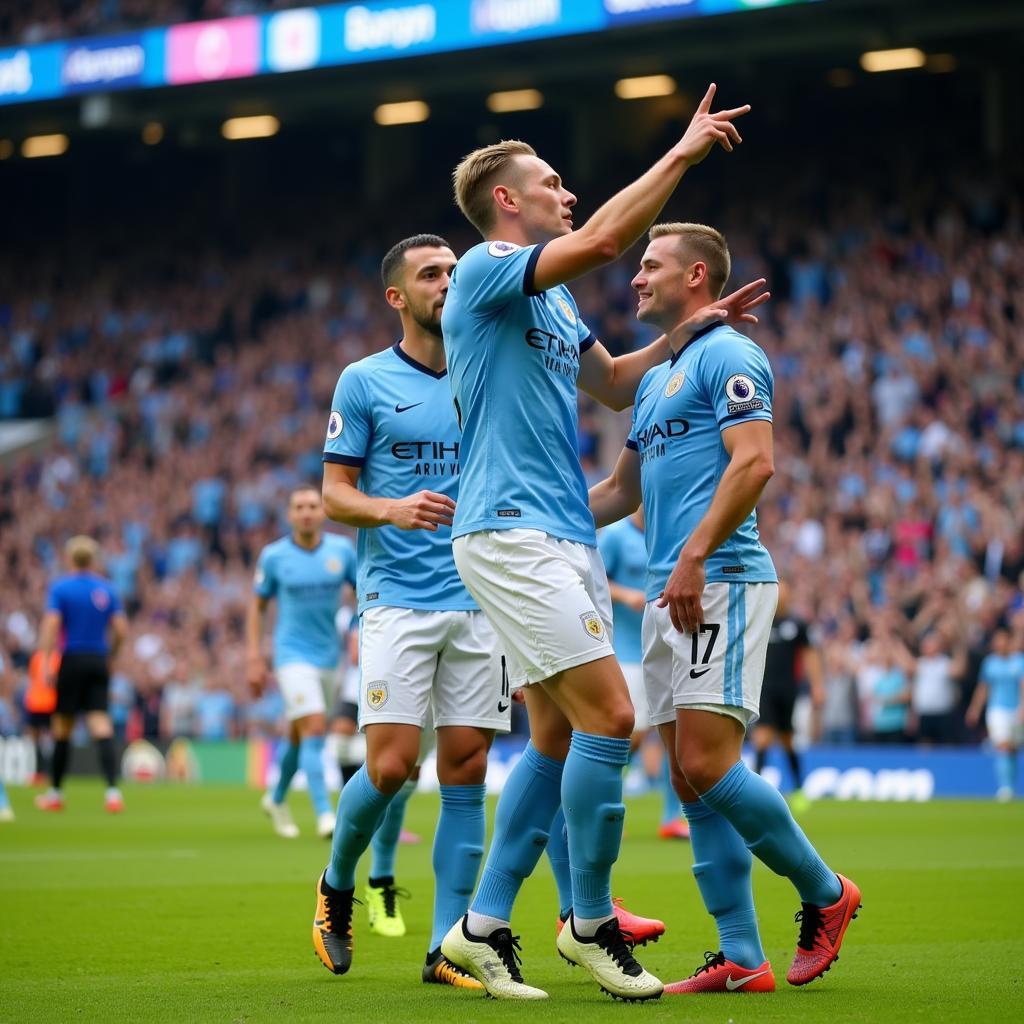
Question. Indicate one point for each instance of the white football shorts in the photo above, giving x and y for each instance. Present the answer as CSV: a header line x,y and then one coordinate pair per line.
x,y
307,690
721,668
1003,727
415,662
546,598
634,674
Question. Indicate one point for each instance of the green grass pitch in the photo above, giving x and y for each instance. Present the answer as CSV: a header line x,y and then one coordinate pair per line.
x,y
187,908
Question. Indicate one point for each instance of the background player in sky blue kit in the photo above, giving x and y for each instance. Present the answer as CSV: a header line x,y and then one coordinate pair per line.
x,y
524,538
1000,693
305,572
83,619
624,553
391,468
699,454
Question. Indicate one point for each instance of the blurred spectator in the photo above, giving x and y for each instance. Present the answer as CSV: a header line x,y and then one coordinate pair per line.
x,y
935,696
191,386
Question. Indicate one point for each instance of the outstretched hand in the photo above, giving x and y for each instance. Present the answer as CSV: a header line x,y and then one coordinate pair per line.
x,y
706,129
733,309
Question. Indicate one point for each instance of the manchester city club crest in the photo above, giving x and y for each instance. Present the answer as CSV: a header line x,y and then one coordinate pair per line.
x,y
675,383
335,425
567,310
333,565
377,694
593,625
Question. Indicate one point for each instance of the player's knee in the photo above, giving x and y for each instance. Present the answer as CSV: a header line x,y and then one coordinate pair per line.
x,y
621,719
468,768
701,769
389,771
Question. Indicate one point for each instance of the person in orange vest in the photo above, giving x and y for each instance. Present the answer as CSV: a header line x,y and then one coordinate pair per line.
x,y
40,703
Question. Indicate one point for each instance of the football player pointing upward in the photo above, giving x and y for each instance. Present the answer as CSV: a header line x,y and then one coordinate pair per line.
x,y
524,538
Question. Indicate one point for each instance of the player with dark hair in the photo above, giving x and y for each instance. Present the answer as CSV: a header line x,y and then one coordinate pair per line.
x,y
391,469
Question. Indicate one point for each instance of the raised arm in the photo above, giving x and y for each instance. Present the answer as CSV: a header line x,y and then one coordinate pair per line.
x,y
628,214
618,495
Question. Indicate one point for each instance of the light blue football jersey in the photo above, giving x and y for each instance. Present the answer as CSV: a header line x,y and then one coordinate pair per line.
x,y
1003,673
719,378
306,584
623,548
514,357
394,418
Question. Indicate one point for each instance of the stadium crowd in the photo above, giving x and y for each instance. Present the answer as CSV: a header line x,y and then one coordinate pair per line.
x,y
40,21
190,391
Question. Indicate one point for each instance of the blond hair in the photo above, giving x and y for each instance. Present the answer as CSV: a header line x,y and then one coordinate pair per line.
x,y
698,242
81,551
475,177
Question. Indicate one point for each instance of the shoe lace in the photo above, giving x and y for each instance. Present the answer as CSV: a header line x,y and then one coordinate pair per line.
x,y
506,945
391,895
610,938
339,912
810,920
711,960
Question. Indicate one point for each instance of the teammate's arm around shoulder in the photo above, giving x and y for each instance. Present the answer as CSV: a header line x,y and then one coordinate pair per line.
x,y
629,213
345,503
617,495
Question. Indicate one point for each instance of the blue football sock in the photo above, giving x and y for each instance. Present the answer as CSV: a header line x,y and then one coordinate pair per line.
x,y
522,821
671,807
360,810
458,851
757,811
592,801
287,768
311,761
722,866
1005,768
385,840
558,854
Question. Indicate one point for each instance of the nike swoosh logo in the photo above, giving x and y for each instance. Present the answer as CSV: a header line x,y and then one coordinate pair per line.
x,y
406,408
697,673
502,707
733,985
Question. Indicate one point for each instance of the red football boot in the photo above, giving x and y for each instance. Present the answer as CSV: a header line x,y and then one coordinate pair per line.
x,y
637,931
677,829
51,800
821,934
721,975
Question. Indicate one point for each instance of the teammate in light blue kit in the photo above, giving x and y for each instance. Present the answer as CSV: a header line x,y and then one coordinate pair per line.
x,y
624,553
524,538
699,454
305,573
1000,693
391,468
